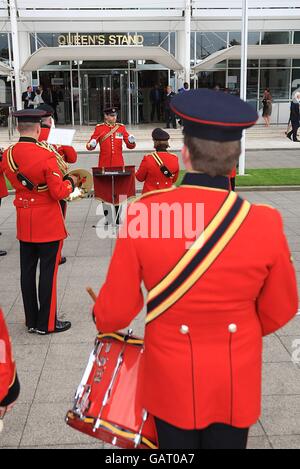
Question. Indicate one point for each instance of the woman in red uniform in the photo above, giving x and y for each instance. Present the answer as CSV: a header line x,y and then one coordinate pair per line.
x,y
159,170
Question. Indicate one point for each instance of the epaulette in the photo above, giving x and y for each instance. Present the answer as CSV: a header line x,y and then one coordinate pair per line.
x,y
98,125
160,191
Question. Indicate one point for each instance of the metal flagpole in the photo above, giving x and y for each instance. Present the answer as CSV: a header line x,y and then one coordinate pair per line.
x,y
244,64
16,52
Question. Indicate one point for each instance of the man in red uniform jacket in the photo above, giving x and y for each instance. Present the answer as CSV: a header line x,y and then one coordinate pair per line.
x,y
110,136
9,383
33,172
3,190
159,170
68,153
203,341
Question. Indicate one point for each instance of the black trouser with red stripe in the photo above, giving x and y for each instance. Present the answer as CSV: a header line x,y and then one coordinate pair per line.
x,y
40,307
217,436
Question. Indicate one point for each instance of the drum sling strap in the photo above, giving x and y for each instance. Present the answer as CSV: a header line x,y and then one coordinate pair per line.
x,y
112,132
199,258
166,172
21,177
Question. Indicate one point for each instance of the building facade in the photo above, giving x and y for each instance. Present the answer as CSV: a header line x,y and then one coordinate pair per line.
x,y
115,52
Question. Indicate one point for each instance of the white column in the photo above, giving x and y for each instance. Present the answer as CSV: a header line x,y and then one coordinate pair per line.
x,y
187,32
183,49
15,43
244,64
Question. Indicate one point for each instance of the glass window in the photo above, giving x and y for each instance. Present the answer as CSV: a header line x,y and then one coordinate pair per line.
x,y
297,37
254,38
295,79
212,79
279,82
155,39
277,63
208,43
47,40
234,84
252,63
193,50
276,37
252,86
4,54
32,43
173,43
235,39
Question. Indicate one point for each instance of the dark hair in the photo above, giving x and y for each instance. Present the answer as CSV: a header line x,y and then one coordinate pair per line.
x,y
213,158
161,145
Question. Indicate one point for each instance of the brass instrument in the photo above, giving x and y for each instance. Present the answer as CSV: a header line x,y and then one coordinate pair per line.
x,y
85,179
63,166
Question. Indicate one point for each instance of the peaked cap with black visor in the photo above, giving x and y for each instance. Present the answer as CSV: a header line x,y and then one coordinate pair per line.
x,y
213,115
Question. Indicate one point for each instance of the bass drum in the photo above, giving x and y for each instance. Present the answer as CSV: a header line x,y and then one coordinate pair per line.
x,y
108,401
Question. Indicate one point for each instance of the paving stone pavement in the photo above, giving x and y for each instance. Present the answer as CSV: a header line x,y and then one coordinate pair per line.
x,y
51,367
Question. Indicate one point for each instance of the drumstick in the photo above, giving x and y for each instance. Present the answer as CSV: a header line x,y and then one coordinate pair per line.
x,y
92,294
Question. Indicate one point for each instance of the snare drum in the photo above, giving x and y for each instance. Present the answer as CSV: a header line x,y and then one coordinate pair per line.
x,y
108,400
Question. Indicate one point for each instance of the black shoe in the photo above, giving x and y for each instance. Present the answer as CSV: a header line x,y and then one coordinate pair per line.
x,y
3,253
62,326
31,330
63,260
37,331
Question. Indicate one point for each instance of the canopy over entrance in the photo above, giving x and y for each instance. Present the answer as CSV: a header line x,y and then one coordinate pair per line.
x,y
46,55
267,52
5,69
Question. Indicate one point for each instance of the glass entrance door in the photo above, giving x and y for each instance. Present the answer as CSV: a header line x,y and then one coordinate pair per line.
x,y
97,95
103,91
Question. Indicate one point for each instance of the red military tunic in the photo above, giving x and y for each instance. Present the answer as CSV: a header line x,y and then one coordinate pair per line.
x,y
39,215
210,376
68,153
7,364
149,171
3,188
111,150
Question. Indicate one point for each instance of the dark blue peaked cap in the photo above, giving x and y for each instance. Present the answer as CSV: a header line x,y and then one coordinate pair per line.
x,y
213,115
29,115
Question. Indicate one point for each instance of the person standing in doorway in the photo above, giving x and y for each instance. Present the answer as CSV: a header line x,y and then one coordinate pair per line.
x,y
155,99
28,98
169,114
267,106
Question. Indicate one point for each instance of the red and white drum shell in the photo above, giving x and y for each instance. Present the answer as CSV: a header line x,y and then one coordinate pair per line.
x,y
108,401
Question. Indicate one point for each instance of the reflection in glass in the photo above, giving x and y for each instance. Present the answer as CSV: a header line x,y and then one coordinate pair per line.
x,y
275,37
278,82
208,43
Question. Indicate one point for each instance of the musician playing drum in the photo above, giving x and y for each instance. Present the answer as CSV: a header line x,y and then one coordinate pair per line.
x,y
33,171
203,339
110,136
160,169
